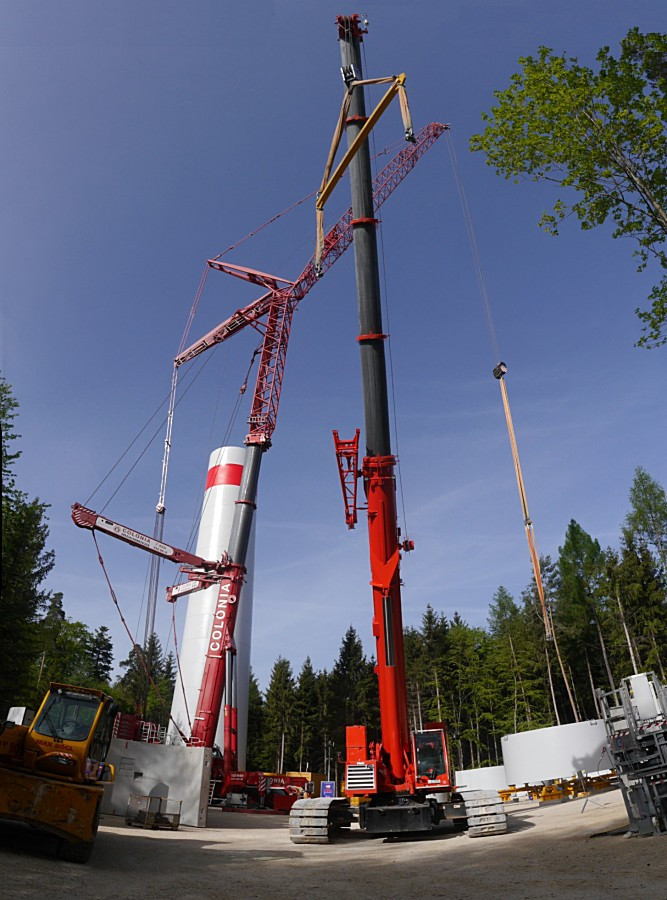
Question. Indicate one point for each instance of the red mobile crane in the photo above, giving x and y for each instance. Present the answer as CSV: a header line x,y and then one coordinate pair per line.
x,y
404,783
277,305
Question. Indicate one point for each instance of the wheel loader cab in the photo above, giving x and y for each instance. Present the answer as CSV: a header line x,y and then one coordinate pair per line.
x,y
67,716
70,734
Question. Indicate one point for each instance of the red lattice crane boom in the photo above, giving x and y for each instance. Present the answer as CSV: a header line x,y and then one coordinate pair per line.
x,y
283,296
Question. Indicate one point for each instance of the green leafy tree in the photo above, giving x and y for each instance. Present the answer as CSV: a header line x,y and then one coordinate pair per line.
x,y
48,630
25,564
425,651
64,651
601,136
557,677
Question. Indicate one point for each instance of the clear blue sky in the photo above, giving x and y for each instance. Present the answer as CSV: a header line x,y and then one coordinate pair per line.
x,y
142,138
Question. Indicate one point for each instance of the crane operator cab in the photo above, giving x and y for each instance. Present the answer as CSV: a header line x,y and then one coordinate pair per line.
x,y
431,757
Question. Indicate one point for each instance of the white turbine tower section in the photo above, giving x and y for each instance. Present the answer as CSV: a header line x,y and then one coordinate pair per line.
x,y
222,491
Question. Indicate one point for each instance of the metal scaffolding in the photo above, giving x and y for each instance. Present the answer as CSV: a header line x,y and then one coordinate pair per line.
x,y
635,717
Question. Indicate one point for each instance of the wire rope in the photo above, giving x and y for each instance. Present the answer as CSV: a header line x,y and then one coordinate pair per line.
x,y
155,433
474,249
136,647
498,372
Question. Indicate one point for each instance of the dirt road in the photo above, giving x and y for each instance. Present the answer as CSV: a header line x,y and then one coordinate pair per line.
x,y
549,852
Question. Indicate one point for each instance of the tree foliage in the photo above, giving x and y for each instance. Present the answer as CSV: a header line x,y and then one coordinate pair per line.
x,y
279,720
147,685
601,136
608,609
647,519
255,734
25,564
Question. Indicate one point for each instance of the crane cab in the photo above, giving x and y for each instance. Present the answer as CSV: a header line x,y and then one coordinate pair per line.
x,y
431,758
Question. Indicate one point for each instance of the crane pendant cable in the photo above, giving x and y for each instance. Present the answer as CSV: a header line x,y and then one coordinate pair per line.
x,y
499,372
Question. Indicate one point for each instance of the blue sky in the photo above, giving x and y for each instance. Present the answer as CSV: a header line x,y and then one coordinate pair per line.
x,y
143,138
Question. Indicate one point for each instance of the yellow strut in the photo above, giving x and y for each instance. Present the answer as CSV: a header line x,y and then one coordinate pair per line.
x,y
499,373
397,87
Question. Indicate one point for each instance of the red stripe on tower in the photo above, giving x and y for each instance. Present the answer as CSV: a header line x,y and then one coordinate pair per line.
x,y
230,473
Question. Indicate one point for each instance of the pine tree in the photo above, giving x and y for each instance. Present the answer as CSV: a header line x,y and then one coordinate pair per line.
x,y
581,565
325,744
642,592
511,664
255,725
279,718
160,695
647,520
354,691
133,689
101,655
306,717
25,565
464,674
425,651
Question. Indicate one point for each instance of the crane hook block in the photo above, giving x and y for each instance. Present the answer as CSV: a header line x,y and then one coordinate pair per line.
x,y
500,370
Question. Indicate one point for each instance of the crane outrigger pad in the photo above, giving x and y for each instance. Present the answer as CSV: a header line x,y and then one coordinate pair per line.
x,y
311,821
486,815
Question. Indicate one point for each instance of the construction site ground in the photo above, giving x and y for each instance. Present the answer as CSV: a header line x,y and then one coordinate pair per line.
x,y
567,849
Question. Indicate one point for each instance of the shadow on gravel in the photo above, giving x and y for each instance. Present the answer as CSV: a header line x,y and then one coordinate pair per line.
x,y
438,834
518,823
23,840
116,853
246,819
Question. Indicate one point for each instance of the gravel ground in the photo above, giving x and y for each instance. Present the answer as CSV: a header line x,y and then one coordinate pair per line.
x,y
560,850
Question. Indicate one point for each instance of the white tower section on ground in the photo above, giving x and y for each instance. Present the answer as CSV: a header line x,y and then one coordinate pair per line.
x,y
222,491
560,751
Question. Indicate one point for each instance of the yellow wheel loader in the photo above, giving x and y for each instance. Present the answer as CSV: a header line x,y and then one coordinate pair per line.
x,y
52,772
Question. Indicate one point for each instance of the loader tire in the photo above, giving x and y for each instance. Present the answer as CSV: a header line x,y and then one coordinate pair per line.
x,y
79,852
